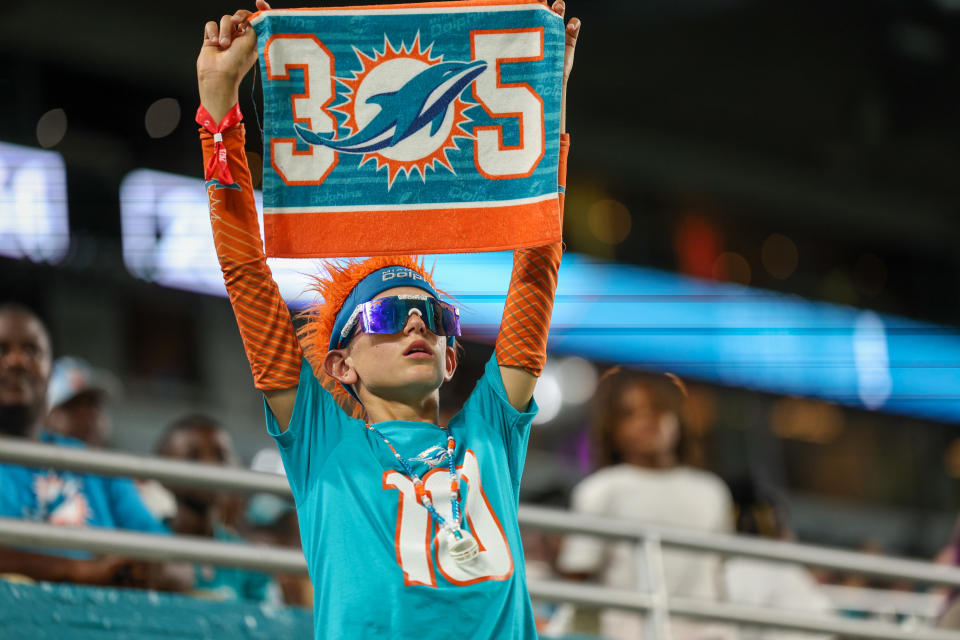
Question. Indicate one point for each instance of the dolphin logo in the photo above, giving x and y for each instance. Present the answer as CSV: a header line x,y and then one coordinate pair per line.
x,y
423,100
432,456
217,186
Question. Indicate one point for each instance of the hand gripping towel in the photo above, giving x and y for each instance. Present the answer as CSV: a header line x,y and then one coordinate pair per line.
x,y
410,129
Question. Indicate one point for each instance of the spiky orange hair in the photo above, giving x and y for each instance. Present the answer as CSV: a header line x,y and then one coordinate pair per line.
x,y
334,286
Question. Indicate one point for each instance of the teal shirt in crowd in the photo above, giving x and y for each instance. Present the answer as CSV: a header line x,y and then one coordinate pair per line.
x,y
378,568
73,499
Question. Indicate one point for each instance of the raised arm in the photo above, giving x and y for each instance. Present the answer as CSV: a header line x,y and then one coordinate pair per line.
x,y
522,342
229,50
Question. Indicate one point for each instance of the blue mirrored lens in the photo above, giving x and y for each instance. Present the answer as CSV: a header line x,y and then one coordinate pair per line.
x,y
389,315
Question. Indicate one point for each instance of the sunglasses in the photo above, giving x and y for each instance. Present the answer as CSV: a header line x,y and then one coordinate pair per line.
x,y
390,315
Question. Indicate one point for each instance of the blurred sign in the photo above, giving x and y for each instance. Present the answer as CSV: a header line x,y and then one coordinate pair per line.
x,y
33,204
621,314
166,235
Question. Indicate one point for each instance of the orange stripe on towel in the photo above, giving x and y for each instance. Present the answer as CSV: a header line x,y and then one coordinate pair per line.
x,y
366,233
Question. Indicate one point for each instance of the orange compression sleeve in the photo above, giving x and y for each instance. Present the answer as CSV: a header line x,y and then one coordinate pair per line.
x,y
522,341
265,326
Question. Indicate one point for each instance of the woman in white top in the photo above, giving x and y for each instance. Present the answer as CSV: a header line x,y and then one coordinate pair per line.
x,y
637,434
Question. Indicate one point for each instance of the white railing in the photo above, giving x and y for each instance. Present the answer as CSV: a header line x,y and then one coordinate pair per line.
x,y
649,539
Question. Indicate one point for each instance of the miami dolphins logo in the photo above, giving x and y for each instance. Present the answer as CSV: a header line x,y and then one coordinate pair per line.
x,y
432,456
217,186
403,109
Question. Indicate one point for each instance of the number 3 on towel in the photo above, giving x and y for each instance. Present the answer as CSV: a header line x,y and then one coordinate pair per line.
x,y
303,51
493,159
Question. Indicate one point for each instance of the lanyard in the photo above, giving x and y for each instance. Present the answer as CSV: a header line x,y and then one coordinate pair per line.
x,y
420,490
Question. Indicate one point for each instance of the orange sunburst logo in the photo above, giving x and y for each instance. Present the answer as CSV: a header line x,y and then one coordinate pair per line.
x,y
385,74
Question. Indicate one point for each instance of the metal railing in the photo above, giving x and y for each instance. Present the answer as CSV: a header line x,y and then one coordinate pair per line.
x,y
656,605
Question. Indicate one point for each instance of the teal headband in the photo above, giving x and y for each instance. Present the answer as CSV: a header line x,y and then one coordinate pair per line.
x,y
371,286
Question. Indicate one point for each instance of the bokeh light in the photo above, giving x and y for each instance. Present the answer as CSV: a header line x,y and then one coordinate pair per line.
x,y
51,128
578,379
548,395
806,420
779,256
609,221
162,117
732,266
951,458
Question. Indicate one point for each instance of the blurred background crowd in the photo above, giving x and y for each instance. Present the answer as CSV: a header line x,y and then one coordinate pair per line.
x,y
756,327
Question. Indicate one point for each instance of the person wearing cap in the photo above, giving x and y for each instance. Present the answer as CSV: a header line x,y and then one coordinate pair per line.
x,y
77,397
408,526
62,497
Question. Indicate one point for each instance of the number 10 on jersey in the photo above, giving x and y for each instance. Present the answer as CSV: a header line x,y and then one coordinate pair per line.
x,y
415,530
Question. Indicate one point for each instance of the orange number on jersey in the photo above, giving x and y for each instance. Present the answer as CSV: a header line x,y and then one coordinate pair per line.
x,y
416,529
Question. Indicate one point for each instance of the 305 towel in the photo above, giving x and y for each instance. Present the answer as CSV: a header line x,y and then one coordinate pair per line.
x,y
414,128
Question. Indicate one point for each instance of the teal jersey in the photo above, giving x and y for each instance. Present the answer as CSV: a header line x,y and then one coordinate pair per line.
x,y
73,499
378,568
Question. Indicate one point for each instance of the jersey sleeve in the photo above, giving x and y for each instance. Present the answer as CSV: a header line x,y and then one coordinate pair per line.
x,y
262,316
128,509
315,429
488,401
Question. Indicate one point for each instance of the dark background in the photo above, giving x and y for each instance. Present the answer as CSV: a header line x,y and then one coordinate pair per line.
x,y
716,124
836,124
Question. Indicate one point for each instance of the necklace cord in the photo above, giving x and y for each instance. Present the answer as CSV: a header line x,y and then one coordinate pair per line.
x,y
420,489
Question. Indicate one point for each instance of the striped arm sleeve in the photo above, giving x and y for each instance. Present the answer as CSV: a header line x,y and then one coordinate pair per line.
x,y
264,320
522,341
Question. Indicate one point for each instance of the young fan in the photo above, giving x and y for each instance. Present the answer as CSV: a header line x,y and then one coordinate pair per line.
x,y
409,529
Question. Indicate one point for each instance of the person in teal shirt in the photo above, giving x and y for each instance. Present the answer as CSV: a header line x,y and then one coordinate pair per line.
x,y
62,497
73,499
409,527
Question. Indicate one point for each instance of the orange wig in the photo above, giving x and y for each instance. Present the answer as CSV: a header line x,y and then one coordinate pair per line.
x,y
334,287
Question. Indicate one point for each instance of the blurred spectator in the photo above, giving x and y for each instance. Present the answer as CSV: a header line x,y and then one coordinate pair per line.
x,y
767,584
540,551
950,556
273,520
202,512
637,436
77,398
62,497
874,547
